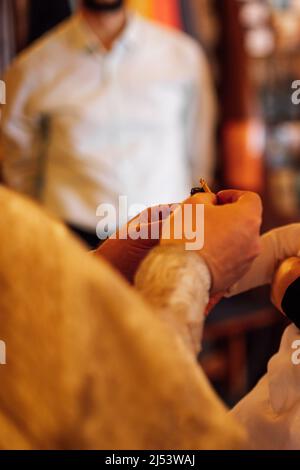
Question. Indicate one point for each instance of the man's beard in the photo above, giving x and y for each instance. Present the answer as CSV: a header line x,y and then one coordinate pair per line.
x,y
103,6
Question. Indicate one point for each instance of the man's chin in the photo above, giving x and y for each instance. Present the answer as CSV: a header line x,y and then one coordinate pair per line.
x,y
93,5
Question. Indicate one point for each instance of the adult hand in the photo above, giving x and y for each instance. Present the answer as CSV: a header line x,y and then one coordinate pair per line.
x,y
231,234
127,249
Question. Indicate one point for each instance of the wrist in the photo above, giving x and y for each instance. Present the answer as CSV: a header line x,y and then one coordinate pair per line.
x,y
177,283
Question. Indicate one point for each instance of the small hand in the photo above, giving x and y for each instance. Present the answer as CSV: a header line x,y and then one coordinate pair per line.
x,y
124,252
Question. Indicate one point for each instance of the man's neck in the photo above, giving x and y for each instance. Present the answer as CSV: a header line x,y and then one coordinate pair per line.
x,y
106,26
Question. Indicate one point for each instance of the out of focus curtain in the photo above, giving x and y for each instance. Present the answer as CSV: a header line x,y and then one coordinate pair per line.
x,y
7,33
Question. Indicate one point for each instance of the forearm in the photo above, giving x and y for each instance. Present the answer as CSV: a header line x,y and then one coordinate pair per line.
x,y
177,283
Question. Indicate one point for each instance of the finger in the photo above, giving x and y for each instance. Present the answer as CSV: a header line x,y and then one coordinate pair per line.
x,y
162,212
229,196
153,214
244,198
149,223
202,198
149,231
145,214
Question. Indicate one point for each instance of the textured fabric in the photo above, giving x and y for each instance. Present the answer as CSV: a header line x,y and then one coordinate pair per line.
x,y
82,127
271,412
276,246
176,283
88,363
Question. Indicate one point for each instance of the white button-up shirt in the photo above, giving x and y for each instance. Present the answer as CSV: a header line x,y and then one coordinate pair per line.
x,y
83,126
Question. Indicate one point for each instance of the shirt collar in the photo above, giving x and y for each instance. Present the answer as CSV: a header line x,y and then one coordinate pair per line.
x,y
86,39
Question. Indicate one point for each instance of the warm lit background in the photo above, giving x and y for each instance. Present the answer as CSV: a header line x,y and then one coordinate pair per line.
x,y
254,50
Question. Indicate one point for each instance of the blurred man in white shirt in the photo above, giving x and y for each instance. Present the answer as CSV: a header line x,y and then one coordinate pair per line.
x,y
107,104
